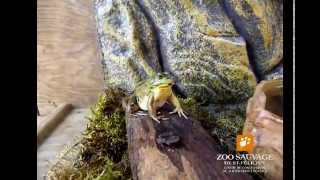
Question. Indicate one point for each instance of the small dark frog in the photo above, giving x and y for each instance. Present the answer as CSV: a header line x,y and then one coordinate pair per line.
x,y
168,138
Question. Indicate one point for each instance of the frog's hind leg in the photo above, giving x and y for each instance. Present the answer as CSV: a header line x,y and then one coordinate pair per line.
x,y
152,110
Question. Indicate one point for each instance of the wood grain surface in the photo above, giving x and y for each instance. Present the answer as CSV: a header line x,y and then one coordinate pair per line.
x,y
193,158
68,59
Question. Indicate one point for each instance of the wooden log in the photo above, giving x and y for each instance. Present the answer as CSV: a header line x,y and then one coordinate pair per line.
x,y
193,157
50,122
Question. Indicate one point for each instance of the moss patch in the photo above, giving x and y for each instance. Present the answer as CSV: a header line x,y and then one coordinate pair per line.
x,y
102,150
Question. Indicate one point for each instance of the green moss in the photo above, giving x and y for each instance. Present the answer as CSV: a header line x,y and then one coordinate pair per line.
x,y
104,142
73,173
101,153
191,106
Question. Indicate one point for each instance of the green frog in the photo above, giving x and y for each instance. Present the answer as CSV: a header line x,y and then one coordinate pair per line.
x,y
154,93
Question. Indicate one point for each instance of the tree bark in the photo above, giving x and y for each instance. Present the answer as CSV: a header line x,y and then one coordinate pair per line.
x,y
193,157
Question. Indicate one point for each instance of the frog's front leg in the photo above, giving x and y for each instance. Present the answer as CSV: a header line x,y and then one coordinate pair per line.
x,y
152,109
174,100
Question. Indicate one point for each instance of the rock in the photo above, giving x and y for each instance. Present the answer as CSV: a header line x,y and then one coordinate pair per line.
x,y
128,43
261,24
193,41
264,121
201,49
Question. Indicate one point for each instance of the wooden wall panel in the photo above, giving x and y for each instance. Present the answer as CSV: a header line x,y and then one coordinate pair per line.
x,y
68,64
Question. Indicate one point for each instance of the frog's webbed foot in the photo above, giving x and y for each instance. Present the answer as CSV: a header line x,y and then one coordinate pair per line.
x,y
155,119
180,112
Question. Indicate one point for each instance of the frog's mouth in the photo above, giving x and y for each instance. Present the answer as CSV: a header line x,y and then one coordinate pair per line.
x,y
165,86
